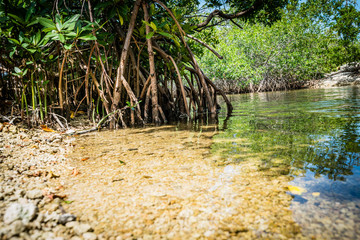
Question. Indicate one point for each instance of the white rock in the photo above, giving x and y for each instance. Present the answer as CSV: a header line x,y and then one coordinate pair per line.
x,y
34,194
25,212
12,213
72,224
16,228
82,228
89,236
28,212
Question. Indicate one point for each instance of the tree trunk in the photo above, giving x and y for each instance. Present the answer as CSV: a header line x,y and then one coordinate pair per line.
x,y
120,79
153,84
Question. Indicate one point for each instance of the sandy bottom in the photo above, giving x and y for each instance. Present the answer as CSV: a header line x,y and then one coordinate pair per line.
x,y
163,183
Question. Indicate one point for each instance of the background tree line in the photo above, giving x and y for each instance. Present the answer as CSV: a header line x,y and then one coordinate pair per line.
x,y
134,62
312,38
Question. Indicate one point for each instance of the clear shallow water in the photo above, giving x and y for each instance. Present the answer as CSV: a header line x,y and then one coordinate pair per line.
x,y
229,179
311,135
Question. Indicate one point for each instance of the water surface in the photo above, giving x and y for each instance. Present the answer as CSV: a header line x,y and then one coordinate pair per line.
x,y
231,179
312,136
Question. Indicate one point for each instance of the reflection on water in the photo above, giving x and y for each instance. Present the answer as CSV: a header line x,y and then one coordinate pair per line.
x,y
312,135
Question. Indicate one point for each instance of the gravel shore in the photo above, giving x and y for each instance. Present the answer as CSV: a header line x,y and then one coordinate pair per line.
x,y
32,202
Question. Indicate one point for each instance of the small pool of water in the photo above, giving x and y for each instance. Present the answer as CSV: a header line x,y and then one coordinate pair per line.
x,y
312,136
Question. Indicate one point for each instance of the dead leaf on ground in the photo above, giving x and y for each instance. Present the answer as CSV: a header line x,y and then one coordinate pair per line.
x,y
46,129
61,196
75,172
60,187
52,175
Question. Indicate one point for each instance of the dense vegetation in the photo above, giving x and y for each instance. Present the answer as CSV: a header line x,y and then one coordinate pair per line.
x,y
133,62
123,59
311,39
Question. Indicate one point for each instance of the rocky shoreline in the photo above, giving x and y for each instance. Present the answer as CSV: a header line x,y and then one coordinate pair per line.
x,y
347,75
32,203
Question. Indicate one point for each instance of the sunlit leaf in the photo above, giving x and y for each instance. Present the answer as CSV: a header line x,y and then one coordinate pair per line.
x,y
153,26
14,41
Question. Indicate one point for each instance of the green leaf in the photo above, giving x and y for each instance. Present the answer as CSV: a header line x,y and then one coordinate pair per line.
x,y
149,35
88,37
17,70
165,34
153,26
29,12
49,29
18,19
37,38
36,21
120,17
152,9
48,23
176,42
71,35
25,45
61,38
31,50
70,23
12,52
68,46
21,37
58,27
14,41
